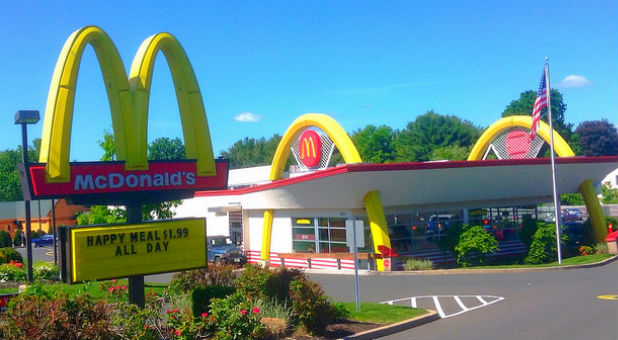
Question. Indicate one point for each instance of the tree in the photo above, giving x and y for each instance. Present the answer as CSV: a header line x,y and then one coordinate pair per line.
x,y
525,103
166,149
431,131
10,190
597,138
451,153
375,144
249,152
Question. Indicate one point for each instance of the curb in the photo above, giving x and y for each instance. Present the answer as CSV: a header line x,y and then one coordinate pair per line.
x,y
395,327
459,271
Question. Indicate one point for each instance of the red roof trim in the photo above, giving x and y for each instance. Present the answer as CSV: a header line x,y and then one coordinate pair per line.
x,y
348,168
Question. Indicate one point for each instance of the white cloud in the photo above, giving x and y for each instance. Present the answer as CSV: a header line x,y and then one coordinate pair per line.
x,y
247,117
574,80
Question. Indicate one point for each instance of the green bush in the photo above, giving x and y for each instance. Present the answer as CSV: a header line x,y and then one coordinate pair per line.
x,y
528,228
202,296
475,246
311,306
601,248
38,317
236,318
11,272
11,255
613,221
543,245
5,239
186,281
253,282
417,264
17,240
451,238
44,271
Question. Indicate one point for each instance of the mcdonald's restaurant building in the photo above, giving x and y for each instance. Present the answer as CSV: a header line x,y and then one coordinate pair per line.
x,y
298,218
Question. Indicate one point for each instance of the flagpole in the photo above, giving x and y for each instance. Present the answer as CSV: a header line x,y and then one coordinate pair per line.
x,y
557,215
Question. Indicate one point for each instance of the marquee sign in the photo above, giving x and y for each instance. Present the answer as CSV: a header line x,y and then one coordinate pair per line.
x,y
111,251
128,99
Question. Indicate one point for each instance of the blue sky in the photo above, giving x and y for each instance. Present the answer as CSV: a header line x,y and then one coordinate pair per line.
x,y
261,64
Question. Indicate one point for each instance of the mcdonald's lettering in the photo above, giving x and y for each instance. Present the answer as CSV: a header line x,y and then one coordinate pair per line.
x,y
128,99
310,147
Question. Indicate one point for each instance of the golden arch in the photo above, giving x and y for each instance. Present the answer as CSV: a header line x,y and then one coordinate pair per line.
x,y
128,102
560,145
347,149
562,149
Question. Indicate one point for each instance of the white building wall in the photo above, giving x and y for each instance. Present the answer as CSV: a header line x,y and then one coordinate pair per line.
x,y
216,224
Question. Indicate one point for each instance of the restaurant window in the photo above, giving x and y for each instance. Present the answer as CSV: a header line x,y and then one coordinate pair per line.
x,y
322,234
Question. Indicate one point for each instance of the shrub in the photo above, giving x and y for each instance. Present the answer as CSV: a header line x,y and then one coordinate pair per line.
x,y
601,248
44,271
221,275
543,245
17,240
184,326
475,246
236,318
417,264
451,238
311,306
5,239
276,317
528,228
12,271
202,296
11,255
132,322
253,282
38,317
586,250
36,234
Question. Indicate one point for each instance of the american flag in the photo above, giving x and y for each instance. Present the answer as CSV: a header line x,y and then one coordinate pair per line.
x,y
539,104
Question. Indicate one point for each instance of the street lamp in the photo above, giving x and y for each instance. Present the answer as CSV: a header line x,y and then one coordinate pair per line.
x,y
25,117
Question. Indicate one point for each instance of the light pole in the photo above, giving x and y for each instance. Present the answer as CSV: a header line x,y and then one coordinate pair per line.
x,y
25,117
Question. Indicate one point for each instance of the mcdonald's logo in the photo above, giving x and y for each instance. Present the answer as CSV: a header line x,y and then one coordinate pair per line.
x,y
128,98
310,147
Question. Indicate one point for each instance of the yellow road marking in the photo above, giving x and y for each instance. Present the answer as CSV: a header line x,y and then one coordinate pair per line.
x,y
608,297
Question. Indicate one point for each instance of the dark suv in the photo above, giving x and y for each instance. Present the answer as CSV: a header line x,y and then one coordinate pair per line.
x,y
220,249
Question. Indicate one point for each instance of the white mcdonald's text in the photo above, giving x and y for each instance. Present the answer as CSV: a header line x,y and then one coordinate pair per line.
x,y
117,180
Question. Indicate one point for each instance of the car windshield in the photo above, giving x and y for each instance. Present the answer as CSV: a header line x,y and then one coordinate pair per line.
x,y
220,241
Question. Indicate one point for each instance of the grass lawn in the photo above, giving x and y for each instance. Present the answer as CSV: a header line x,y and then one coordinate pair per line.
x,y
587,259
381,313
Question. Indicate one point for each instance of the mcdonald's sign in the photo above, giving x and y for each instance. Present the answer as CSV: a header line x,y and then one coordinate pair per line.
x,y
128,98
310,148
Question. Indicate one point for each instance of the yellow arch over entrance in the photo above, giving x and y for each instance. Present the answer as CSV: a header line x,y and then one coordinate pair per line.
x,y
128,102
562,149
346,147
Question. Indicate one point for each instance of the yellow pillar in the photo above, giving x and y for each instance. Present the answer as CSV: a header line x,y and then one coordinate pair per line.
x,y
595,212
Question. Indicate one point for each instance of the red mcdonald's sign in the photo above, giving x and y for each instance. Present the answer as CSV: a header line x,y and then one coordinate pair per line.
x,y
310,147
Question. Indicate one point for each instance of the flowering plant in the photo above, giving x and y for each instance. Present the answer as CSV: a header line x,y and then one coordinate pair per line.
x,y
236,318
184,326
114,291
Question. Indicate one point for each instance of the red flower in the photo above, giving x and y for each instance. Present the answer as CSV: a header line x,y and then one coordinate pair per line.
x,y
114,280
255,310
204,314
178,333
167,311
243,312
111,289
124,287
175,310
146,326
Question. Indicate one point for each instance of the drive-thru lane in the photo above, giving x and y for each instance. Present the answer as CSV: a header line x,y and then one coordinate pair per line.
x,y
549,304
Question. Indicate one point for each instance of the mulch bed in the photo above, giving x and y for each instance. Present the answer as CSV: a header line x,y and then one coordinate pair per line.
x,y
337,330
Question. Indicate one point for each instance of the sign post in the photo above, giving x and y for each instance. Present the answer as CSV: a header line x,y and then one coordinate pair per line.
x,y
136,283
354,228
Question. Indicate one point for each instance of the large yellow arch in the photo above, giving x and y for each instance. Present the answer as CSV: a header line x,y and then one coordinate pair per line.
x,y
56,136
188,95
375,212
560,145
562,149
128,102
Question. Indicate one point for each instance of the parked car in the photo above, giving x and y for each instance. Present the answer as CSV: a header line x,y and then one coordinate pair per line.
x,y
221,249
437,226
45,240
571,214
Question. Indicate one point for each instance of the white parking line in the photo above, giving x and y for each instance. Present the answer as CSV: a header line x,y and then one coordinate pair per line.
x,y
485,301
